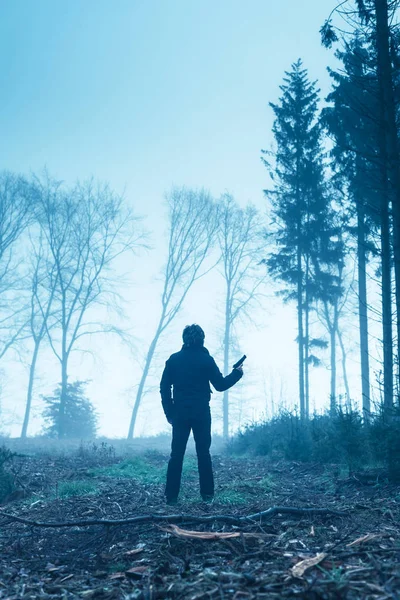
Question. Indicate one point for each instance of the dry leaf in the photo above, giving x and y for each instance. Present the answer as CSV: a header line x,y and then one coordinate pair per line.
x,y
312,531
363,539
302,566
117,575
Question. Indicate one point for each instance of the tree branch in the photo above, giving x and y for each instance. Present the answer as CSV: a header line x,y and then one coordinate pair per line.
x,y
231,519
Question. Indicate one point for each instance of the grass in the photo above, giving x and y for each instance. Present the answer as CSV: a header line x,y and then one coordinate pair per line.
x,y
67,489
144,470
133,468
229,496
267,483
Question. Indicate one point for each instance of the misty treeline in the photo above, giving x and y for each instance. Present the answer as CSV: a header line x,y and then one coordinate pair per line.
x,y
332,230
335,197
60,259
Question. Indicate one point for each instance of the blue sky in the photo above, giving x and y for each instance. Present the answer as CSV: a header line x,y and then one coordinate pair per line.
x,y
148,92
145,94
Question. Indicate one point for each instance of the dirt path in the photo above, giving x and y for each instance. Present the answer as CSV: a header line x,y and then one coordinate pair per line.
x,y
352,556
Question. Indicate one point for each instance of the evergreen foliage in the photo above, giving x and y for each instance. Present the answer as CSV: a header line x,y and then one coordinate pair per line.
x,y
79,419
305,231
340,439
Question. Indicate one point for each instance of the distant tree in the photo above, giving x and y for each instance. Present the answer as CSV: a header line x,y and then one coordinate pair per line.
x,y
79,419
330,299
191,233
86,228
43,288
300,207
239,246
16,200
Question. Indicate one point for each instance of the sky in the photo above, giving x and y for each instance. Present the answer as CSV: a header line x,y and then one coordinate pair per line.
x,y
146,94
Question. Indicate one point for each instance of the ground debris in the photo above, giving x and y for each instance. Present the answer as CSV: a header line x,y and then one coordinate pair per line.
x,y
323,542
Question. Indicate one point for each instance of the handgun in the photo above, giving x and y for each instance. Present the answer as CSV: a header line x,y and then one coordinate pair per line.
x,y
239,362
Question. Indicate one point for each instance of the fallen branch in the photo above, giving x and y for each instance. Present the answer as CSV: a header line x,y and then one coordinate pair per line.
x,y
287,510
231,519
213,535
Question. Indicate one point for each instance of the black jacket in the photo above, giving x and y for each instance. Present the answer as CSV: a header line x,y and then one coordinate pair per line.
x,y
189,372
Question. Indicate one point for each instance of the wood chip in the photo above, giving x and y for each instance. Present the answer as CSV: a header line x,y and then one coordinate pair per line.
x,y
302,566
363,539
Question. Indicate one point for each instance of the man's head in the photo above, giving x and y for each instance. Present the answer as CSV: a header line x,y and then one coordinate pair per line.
x,y
193,336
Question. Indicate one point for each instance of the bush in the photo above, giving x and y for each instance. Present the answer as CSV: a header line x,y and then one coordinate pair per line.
x,y
384,436
97,453
339,439
6,479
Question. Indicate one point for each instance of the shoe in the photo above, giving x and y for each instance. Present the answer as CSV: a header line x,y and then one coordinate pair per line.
x,y
172,501
207,497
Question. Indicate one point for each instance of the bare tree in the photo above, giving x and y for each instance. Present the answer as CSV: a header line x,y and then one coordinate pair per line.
x,y
43,287
239,245
16,199
192,227
86,228
330,308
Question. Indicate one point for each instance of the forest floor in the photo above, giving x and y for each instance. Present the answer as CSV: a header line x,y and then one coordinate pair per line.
x,y
351,555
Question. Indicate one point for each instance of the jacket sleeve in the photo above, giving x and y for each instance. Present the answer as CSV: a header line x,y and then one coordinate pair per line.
x,y
220,382
166,391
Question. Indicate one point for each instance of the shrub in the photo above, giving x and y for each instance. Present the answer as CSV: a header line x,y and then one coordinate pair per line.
x,y
96,453
6,479
341,438
384,436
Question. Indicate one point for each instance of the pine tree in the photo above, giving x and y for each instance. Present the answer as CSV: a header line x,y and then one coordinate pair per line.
x,y
360,152
79,417
377,20
300,207
351,124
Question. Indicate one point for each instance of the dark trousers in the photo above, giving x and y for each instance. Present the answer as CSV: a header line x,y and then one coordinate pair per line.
x,y
181,428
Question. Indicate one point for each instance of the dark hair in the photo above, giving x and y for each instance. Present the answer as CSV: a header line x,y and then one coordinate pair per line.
x,y
193,335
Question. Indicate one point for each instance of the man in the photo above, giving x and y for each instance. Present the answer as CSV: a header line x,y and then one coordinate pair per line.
x,y
189,373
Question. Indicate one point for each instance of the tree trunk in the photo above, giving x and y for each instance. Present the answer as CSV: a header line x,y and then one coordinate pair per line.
x,y
307,343
139,394
335,327
333,370
64,384
344,368
384,80
390,134
32,369
300,334
63,397
227,340
386,308
363,309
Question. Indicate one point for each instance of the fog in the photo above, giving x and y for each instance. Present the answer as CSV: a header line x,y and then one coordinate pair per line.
x,y
145,96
